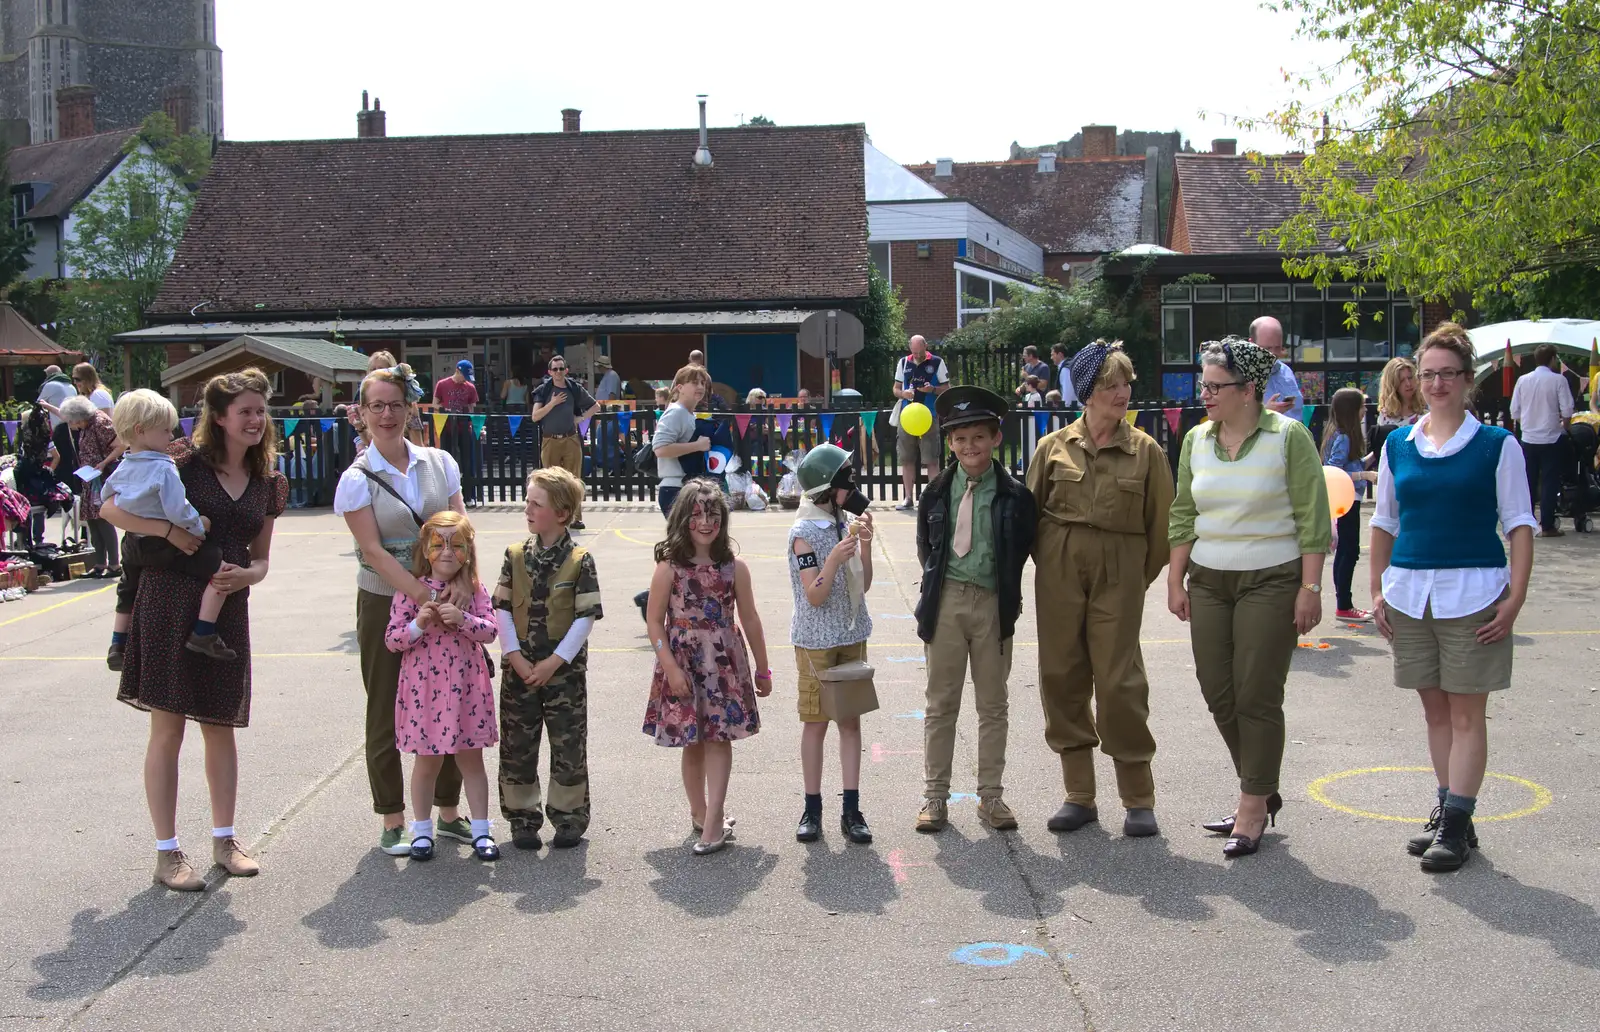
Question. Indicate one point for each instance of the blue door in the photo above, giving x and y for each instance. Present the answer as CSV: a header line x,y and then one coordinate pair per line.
x,y
746,360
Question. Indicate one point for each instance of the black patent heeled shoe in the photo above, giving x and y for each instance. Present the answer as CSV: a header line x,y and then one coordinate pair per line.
x,y
1243,845
1224,826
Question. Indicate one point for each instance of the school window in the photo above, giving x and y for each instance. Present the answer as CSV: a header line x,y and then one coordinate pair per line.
x,y
879,254
1177,340
1317,328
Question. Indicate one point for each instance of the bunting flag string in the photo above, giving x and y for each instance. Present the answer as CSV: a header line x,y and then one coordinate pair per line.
x,y
583,426
439,419
516,424
477,425
784,422
1041,423
327,424
624,420
187,423
11,430
1306,413
869,422
827,424
1173,416
289,425
1132,417
1508,376
743,423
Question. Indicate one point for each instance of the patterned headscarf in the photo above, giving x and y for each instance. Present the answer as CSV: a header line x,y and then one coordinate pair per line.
x,y
1252,362
413,388
1085,366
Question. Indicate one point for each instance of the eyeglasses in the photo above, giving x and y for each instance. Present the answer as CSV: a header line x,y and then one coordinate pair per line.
x,y
381,407
1447,376
1213,388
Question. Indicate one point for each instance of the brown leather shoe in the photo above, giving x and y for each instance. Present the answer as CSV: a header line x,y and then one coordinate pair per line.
x,y
210,645
231,857
174,870
934,816
996,814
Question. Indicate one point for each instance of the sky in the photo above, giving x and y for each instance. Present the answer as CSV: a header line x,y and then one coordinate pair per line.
x,y
929,79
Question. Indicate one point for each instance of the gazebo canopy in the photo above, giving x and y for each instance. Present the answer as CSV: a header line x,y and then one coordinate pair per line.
x,y
329,362
24,344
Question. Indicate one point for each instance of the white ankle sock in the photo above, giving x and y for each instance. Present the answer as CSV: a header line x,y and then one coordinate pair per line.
x,y
422,829
480,829
167,844
222,832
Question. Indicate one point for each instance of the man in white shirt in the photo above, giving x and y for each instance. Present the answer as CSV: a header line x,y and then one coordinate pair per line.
x,y
1541,403
1058,355
56,389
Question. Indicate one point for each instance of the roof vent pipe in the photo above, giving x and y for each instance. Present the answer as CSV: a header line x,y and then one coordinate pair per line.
x,y
702,157
944,168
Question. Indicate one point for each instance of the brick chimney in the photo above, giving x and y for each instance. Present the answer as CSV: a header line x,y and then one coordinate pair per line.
x,y
178,103
74,112
370,122
1099,141
569,119
1225,146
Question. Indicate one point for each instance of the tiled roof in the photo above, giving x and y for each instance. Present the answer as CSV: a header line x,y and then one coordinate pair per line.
x,y
19,337
559,220
71,167
1228,200
1086,205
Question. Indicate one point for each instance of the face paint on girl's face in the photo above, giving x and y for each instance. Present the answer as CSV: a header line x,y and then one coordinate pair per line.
x,y
446,555
705,524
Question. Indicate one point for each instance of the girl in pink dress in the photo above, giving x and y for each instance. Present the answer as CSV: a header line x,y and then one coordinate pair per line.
x,y
703,695
445,703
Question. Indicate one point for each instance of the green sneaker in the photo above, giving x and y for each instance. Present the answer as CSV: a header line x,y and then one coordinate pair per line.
x,y
395,842
459,829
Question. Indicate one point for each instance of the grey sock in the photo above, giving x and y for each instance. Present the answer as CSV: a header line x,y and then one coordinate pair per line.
x,y
1465,803
1442,793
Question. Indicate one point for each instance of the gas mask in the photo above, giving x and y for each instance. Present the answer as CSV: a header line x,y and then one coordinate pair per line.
x,y
855,503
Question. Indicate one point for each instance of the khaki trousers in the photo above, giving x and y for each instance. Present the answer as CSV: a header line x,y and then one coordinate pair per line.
x,y
1089,594
566,452
1241,624
968,629
380,673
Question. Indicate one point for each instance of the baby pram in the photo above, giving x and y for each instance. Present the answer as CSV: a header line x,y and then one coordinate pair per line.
x,y
1580,487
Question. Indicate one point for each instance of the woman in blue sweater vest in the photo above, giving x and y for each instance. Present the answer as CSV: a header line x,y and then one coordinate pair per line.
x,y
1441,589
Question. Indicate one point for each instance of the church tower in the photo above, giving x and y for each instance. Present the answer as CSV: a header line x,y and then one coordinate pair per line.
x,y
118,60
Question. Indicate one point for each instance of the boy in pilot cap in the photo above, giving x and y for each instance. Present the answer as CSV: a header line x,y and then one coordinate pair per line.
x,y
975,527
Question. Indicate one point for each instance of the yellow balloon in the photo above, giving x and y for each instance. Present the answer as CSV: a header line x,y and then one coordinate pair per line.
x,y
915,419
1341,490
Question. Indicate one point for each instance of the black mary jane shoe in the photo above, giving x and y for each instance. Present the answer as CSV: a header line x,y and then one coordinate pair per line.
x,y
422,848
1242,845
483,848
810,827
854,826
1224,826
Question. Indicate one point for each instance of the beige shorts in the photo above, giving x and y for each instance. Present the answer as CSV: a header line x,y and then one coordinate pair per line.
x,y
909,448
808,662
1445,654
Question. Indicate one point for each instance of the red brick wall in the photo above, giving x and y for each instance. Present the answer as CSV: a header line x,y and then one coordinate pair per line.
x,y
1099,141
928,286
1434,313
1178,231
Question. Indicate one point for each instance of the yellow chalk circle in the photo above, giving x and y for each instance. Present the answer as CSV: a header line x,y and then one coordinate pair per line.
x,y
1542,797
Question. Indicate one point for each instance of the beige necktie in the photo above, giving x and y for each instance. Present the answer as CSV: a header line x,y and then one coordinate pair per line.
x,y
963,540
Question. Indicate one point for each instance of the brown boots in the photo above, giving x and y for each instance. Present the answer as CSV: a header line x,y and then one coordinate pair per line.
x,y
176,871
210,645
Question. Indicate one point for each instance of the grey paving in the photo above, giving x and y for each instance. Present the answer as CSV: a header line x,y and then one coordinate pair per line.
x,y
1331,927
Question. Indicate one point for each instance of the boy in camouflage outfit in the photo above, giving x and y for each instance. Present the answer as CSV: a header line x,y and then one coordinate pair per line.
x,y
546,601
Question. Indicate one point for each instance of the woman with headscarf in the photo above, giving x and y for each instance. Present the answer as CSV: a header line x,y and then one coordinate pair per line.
x,y
1250,529
95,441
37,475
1102,488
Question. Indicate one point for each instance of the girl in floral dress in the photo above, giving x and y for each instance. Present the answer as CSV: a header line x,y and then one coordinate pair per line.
x,y
703,696
445,703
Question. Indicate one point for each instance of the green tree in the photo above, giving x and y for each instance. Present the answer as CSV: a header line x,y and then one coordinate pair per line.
x,y
16,243
1460,151
127,232
883,325
762,120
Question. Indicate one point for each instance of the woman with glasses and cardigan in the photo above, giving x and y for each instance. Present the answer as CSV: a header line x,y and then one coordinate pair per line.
x,y
1250,530
388,492
1442,592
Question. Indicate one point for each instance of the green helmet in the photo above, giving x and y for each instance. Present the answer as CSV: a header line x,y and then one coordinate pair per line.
x,y
819,467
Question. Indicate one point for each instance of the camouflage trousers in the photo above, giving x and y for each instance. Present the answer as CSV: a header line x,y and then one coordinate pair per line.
x,y
560,706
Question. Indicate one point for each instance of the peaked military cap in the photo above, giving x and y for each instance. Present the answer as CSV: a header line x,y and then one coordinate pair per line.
x,y
960,406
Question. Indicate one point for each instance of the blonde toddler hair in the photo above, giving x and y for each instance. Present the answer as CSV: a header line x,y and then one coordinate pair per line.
x,y
141,409
564,490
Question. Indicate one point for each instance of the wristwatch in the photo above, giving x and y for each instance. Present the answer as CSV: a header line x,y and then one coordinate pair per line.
x,y
1315,589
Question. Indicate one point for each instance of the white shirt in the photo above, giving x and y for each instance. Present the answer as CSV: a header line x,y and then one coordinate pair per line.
x,y
102,399
610,388
1542,402
146,484
1069,397
355,490
1454,592
55,392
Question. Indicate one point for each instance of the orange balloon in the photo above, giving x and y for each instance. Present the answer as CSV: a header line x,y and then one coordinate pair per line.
x,y
1341,490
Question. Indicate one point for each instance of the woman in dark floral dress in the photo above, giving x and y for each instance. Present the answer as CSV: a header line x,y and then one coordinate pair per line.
x,y
229,476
